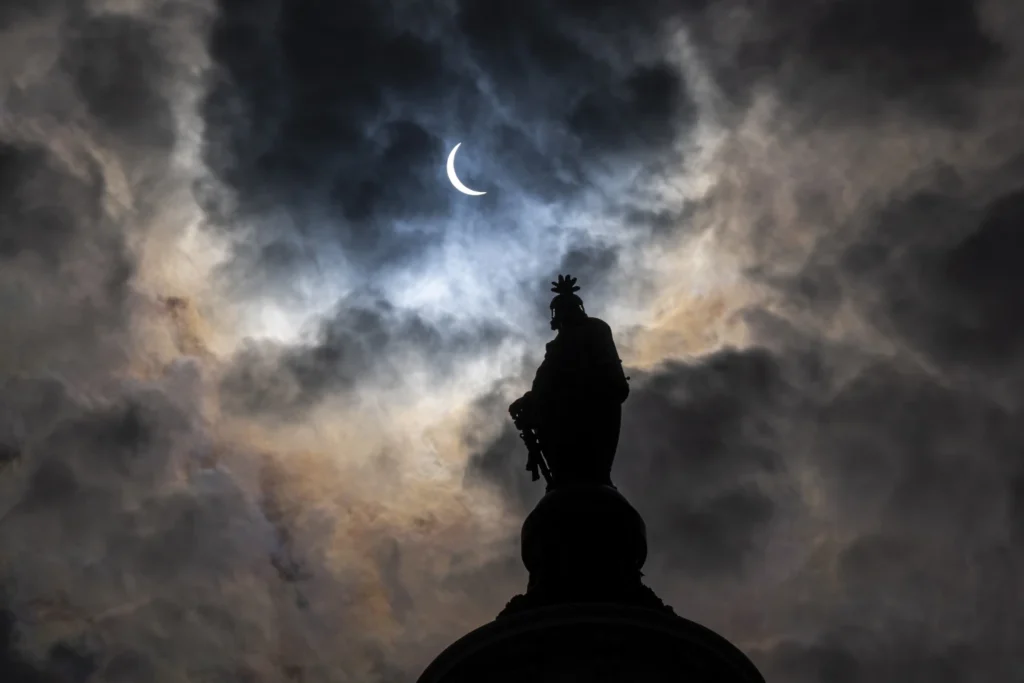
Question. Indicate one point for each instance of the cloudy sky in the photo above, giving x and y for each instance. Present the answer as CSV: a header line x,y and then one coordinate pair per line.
x,y
256,351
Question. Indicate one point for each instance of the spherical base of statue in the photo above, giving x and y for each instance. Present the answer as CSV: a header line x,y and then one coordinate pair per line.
x,y
584,543
586,614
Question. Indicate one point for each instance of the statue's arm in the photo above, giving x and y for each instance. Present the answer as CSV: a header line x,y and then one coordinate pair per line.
x,y
542,380
611,363
525,407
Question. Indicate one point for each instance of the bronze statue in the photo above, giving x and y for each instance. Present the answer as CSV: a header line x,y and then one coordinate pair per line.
x,y
571,416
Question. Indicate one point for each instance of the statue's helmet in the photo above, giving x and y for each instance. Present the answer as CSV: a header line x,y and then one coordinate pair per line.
x,y
566,305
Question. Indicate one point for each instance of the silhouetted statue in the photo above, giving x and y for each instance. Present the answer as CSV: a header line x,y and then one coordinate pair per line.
x,y
572,414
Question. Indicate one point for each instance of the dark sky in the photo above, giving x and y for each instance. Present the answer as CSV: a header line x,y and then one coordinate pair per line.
x,y
256,351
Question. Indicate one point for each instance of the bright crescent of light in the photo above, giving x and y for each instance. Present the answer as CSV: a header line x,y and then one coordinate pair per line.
x,y
455,179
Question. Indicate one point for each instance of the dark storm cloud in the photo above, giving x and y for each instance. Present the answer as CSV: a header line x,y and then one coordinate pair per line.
x,y
311,106
695,439
500,460
47,213
553,77
84,450
537,54
392,184
847,657
31,177
16,11
852,58
643,111
911,611
13,667
981,285
96,492
342,112
946,260
920,451
119,68
108,74
64,664
362,339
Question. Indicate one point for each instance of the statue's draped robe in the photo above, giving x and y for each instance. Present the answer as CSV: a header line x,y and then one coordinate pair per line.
x,y
578,394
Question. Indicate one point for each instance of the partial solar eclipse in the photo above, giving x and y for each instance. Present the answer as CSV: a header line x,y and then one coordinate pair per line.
x,y
456,183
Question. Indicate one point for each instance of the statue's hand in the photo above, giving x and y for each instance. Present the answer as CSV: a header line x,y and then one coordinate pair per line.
x,y
516,408
519,406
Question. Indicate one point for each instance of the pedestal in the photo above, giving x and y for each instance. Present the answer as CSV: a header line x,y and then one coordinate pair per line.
x,y
586,614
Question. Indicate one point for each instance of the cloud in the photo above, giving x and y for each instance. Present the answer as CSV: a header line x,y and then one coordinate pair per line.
x,y
362,341
31,173
979,285
97,489
850,59
117,66
499,460
302,96
370,112
49,214
690,455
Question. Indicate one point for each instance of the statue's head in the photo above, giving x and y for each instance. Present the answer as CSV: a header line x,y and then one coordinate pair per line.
x,y
566,307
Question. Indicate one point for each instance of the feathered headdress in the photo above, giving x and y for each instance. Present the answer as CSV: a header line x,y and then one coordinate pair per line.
x,y
565,290
566,285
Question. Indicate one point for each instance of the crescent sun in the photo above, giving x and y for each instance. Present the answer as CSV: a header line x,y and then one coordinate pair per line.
x,y
455,179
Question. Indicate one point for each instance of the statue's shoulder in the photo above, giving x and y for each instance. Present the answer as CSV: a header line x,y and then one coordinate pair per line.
x,y
597,325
